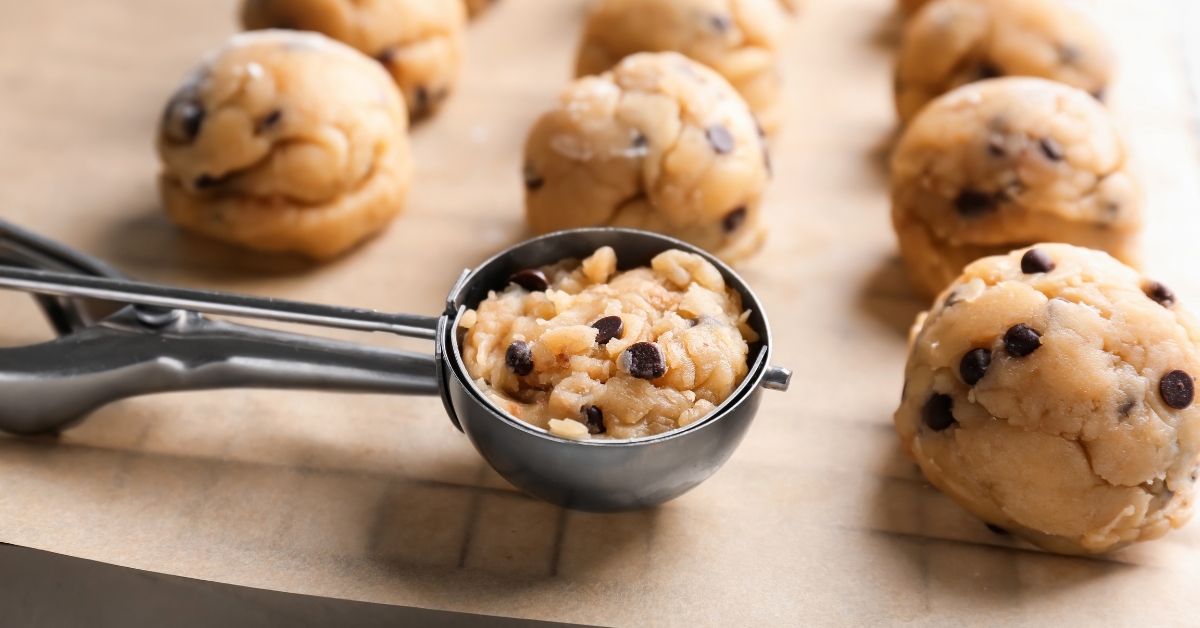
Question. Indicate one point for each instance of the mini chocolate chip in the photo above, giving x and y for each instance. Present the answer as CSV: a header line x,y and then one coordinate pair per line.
x,y
1159,293
1099,94
1126,407
518,358
1021,340
733,220
996,529
974,365
640,141
386,55
183,119
533,180
595,419
270,121
703,319
644,360
1177,389
609,327
951,299
531,280
939,412
720,138
972,203
1051,149
1036,261
988,70
206,182
720,23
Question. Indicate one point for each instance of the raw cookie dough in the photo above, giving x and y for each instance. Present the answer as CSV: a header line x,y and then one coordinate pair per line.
x,y
581,349
660,143
1050,392
954,42
740,39
285,141
420,42
1001,164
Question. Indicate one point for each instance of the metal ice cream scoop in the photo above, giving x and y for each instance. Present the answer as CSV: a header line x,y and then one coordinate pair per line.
x,y
161,342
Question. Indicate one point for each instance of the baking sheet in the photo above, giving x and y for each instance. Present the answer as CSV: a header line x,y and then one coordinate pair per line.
x,y
818,518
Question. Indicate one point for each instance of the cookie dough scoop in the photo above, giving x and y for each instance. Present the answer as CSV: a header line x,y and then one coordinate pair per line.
x,y
285,141
1050,392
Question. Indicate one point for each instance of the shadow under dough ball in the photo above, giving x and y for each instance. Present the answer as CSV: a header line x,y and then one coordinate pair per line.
x,y
1000,164
285,141
659,143
949,43
419,42
1077,460
740,39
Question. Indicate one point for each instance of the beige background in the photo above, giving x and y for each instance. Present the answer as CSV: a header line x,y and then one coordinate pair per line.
x,y
817,519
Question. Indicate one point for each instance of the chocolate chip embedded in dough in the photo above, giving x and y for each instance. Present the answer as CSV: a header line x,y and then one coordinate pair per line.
x,y
1021,340
609,327
1051,149
640,140
1036,261
1126,407
1099,94
973,203
1177,389
734,219
386,56
974,365
720,23
594,417
269,122
518,358
644,360
988,70
938,412
531,280
1163,295
720,138
183,119
533,180
208,182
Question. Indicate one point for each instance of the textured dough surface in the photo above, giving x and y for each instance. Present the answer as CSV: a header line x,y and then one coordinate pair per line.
x,y
660,143
680,304
1001,164
420,42
740,39
949,43
1072,445
285,141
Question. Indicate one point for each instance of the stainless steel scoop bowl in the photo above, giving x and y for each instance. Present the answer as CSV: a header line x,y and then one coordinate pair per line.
x,y
163,343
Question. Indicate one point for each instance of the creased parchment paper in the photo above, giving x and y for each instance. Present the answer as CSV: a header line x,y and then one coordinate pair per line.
x,y
818,519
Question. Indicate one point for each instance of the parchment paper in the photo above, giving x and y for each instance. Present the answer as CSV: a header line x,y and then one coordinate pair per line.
x,y
818,519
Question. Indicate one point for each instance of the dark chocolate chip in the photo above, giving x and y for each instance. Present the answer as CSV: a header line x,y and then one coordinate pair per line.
x,y
1036,261
1160,293
1099,94
640,141
720,23
972,203
609,327
207,182
518,358
733,220
1051,149
996,529
951,299
1126,407
533,180
387,55
939,412
270,121
1021,340
989,70
720,138
183,119
595,419
644,360
1177,389
974,365
531,280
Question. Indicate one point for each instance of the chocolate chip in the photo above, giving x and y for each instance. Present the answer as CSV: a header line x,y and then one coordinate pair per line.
x,y
640,141
1051,149
938,412
270,121
720,23
720,138
1069,53
182,120
1036,261
1021,340
644,360
1159,293
1126,407
1099,94
533,180
974,365
988,70
703,320
995,146
595,419
531,280
207,182
1177,389
386,56
734,219
996,529
422,98
609,327
518,358
972,203
951,299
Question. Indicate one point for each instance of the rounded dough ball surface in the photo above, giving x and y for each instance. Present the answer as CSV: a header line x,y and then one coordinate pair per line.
x,y
950,43
420,42
1057,404
740,39
660,143
285,141
1001,164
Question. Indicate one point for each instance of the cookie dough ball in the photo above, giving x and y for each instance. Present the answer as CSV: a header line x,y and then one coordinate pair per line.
x,y
582,350
1050,392
740,39
660,143
420,42
1001,164
285,141
950,43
